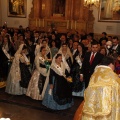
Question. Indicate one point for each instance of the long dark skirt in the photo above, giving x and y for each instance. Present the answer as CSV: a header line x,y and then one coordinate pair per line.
x,y
25,75
41,83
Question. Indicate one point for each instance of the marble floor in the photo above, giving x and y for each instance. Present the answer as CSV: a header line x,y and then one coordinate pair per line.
x,y
24,108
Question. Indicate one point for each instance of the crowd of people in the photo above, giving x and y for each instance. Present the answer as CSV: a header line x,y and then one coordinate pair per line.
x,y
50,66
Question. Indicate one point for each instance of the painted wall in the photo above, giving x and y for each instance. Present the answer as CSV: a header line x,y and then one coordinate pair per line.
x,y
108,27
12,21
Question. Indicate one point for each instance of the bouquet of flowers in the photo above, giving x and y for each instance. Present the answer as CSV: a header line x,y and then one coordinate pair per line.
x,y
47,64
69,79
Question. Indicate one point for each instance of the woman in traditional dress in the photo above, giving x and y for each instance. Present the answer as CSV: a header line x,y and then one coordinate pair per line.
x,y
19,74
58,95
66,56
5,57
78,85
48,51
38,78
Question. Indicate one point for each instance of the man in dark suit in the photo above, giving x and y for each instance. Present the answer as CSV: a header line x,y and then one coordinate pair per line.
x,y
91,60
116,46
104,37
36,37
74,48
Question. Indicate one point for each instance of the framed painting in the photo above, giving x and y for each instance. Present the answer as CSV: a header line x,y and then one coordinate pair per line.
x,y
109,11
58,8
17,8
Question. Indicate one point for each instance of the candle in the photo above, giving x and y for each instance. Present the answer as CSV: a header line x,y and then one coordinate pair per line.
x,y
71,24
43,22
39,23
36,22
67,24
75,25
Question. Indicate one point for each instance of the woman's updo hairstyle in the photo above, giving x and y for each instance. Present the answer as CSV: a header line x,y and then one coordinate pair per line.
x,y
58,55
24,47
64,44
42,48
44,40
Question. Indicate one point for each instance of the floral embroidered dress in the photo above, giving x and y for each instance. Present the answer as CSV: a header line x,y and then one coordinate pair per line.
x,y
19,74
38,78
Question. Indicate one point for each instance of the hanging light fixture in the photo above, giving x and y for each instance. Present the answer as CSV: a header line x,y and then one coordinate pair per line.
x,y
91,3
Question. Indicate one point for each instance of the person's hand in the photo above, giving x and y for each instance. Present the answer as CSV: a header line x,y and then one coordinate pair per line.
x,y
119,75
49,60
27,63
51,86
69,79
81,77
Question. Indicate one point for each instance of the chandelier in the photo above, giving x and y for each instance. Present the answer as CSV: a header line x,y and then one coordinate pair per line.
x,y
91,3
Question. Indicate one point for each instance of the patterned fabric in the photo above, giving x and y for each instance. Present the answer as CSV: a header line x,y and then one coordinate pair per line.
x,y
14,77
36,84
41,83
102,96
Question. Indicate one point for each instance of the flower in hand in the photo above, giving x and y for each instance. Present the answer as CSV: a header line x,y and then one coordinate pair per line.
x,y
69,79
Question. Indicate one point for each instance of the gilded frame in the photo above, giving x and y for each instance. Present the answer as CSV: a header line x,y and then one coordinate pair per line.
x,y
17,8
106,13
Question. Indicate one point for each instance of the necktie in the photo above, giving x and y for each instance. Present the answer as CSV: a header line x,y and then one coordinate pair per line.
x,y
92,58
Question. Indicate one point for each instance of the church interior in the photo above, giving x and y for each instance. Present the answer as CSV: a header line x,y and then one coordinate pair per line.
x,y
62,17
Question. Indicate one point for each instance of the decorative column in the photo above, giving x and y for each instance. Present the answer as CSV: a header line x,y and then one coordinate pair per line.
x,y
68,9
76,9
36,8
47,11
81,10
35,15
